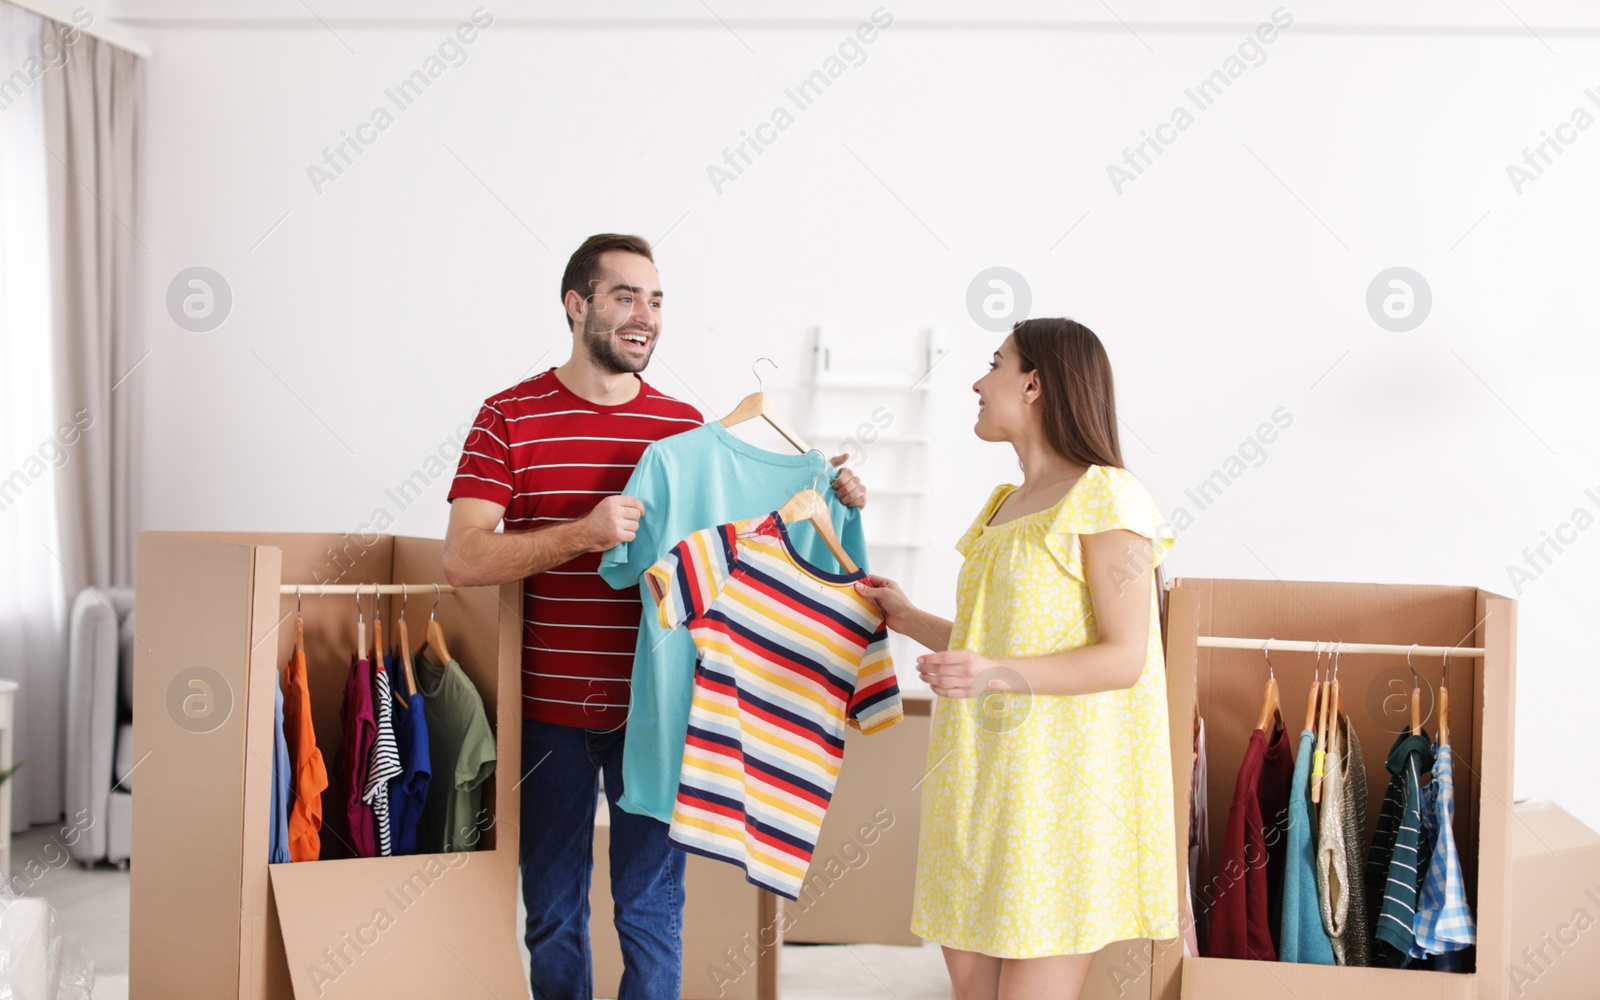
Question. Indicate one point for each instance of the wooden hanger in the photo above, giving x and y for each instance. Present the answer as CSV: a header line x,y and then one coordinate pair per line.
x,y
808,505
756,405
1269,697
1311,698
299,625
361,626
1444,704
435,635
409,675
1416,695
377,635
1327,717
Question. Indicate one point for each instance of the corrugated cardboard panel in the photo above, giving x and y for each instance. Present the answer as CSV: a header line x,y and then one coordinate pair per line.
x,y
1488,868
260,958
1544,829
190,669
435,925
1233,979
1555,917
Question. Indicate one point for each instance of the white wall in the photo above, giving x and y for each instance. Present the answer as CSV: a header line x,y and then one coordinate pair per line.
x,y
1227,281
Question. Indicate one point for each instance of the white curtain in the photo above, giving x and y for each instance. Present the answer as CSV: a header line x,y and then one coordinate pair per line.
x,y
32,596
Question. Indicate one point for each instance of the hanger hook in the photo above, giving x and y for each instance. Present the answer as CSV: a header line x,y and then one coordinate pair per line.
x,y
1445,679
1264,647
436,595
297,609
757,374
1316,668
1416,678
361,614
1337,649
404,597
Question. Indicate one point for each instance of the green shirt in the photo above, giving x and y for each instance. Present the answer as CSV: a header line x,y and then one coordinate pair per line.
x,y
462,749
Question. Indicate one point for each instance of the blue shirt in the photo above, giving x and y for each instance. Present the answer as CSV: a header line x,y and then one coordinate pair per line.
x,y
1444,920
1301,935
409,792
688,482
278,837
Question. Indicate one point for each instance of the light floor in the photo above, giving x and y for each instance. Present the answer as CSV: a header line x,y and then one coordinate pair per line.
x,y
93,907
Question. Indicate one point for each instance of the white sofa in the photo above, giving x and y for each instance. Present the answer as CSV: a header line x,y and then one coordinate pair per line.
x,y
100,645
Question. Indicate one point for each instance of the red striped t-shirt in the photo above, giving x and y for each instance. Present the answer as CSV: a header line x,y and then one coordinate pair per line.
x,y
549,455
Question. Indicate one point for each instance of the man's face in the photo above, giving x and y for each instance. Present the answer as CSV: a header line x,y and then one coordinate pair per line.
x,y
622,317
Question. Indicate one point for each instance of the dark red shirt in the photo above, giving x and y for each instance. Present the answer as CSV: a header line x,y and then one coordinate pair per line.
x,y
548,455
1247,879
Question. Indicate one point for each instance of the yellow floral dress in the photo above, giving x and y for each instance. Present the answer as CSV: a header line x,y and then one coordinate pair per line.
x,y
1047,820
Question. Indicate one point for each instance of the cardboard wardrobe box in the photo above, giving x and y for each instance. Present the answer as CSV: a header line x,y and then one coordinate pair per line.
x,y
1555,905
209,917
1227,684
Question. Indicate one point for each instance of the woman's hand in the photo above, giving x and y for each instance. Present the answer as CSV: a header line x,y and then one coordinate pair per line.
x,y
898,611
951,673
901,616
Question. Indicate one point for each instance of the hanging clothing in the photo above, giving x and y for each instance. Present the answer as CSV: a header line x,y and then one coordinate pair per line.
x,y
790,655
1394,859
278,838
1444,922
1199,841
1241,922
1341,888
1277,775
548,455
462,751
408,792
1047,820
360,730
691,481
1301,937
383,761
310,775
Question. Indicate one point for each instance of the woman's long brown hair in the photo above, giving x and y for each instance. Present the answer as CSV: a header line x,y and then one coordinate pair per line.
x,y
1080,405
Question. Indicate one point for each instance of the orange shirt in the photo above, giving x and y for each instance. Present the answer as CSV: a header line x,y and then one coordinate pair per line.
x,y
310,775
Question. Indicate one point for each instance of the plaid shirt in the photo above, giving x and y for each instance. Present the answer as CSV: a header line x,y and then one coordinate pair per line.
x,y
1443,922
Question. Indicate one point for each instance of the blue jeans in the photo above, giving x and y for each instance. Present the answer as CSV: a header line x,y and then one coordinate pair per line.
x,y
557,852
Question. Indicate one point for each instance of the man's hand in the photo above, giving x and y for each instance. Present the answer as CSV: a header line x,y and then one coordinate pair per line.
x,y
852,491
614,519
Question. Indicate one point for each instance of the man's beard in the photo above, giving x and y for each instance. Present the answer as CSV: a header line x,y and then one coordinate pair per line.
x,y
603,351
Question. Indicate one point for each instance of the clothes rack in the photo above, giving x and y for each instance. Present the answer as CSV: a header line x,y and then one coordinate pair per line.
x,y
364,589
1327,646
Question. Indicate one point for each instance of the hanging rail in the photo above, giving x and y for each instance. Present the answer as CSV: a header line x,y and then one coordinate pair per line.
x,y
319,589
1303,646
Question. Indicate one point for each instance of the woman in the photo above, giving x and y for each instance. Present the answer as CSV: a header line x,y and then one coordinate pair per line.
x,y
1047,808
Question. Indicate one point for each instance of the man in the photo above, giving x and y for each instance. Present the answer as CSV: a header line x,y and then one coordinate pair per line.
x,y
549,457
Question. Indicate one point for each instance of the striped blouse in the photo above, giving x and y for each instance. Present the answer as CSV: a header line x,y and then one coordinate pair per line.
x,y
790,655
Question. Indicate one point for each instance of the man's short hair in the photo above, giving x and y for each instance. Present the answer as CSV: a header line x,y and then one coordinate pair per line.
x,y
584,266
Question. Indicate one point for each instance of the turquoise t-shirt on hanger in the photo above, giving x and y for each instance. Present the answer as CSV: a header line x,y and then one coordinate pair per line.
x,y
691,481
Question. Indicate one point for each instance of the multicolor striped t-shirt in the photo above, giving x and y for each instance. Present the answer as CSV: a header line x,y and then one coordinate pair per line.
x,y
789,655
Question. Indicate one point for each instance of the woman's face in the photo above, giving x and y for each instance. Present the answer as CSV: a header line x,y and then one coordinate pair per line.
x,y
1005,396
